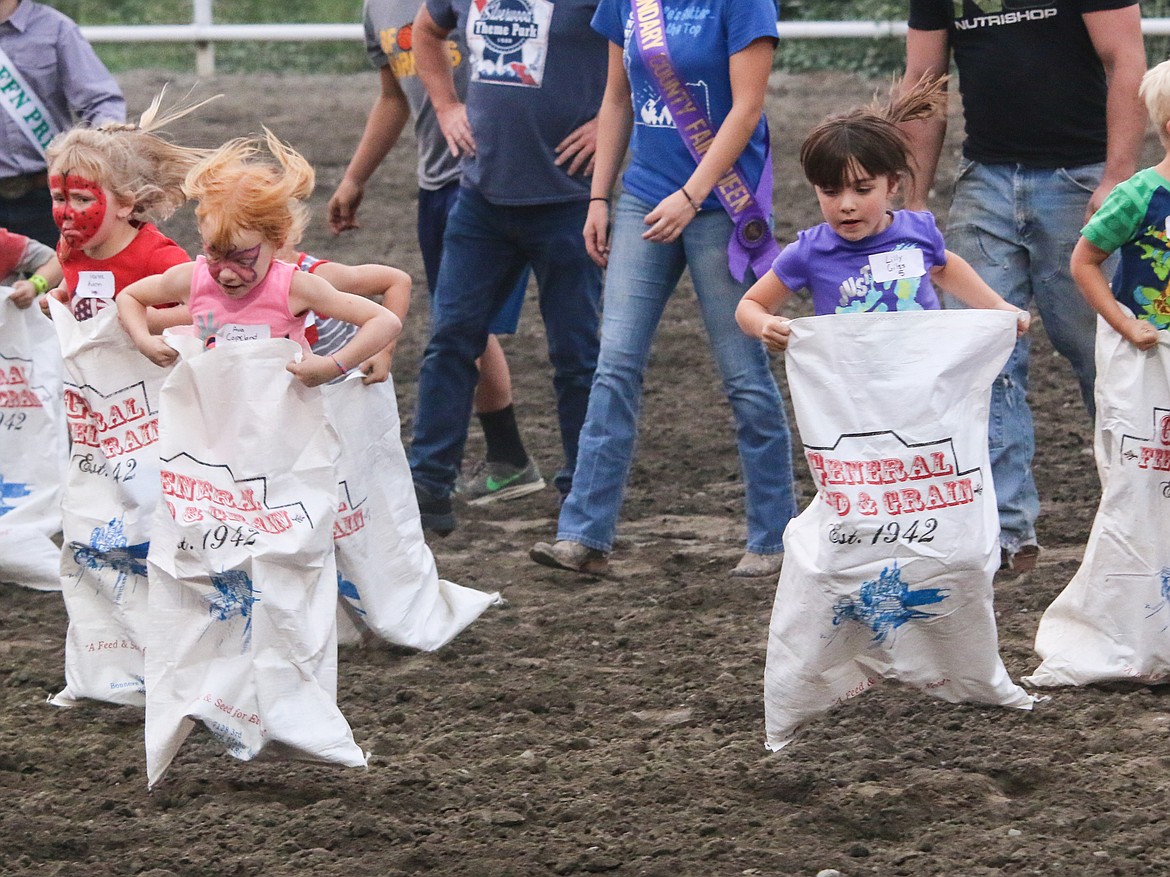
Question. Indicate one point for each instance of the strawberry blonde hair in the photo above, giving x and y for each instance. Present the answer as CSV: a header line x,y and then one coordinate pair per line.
x,y
869,138
132,161
250,184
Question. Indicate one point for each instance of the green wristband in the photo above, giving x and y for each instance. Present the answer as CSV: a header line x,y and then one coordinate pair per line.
x,y
40,284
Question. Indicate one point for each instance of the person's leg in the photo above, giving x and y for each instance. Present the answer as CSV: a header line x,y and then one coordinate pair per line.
x,y
639,280
985,230
478,269
1056,204
762,434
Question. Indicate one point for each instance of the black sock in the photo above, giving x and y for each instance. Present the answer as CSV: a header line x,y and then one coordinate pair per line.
x,y
503,437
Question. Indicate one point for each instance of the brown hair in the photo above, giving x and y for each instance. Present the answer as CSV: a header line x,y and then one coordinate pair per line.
x,y
868,138
241,189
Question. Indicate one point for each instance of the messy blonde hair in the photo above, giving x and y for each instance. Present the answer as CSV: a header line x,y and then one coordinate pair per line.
x,y
239,188
1155,91
868,138
132,161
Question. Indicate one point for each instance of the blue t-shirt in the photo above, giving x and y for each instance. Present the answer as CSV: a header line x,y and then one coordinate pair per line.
x,y
701,36
537,73
853,277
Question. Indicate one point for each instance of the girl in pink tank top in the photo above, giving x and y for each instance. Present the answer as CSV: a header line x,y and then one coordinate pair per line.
x,y
237,290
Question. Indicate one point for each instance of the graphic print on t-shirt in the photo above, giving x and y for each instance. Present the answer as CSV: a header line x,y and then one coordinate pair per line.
x,y
863,293
508,41
985,13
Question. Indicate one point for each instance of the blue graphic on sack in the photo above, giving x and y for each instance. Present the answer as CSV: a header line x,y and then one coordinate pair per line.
x,y
886,603
234,598
11,490
349,591
108,549
1164,590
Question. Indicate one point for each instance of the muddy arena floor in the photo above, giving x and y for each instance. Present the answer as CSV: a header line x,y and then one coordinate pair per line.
x,y
600,726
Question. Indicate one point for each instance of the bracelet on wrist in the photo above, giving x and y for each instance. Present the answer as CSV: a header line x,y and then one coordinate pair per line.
x,y
599,198
39,283
337,362
690,200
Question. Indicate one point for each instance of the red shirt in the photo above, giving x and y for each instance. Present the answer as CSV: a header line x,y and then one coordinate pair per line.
x,y
151,252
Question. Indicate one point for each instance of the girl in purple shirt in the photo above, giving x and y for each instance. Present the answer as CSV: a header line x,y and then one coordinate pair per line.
x,y
865,256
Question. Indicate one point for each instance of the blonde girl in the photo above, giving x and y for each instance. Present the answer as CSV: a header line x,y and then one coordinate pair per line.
x,y
109,186
250,195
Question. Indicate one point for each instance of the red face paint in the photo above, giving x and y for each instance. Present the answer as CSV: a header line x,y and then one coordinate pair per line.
x,y
241,263
79,207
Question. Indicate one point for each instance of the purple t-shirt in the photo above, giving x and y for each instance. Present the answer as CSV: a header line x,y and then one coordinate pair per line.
x,y
888,271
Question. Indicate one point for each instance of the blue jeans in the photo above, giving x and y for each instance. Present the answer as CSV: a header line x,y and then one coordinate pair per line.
x,y
486,248
641,277
1017,227
434,207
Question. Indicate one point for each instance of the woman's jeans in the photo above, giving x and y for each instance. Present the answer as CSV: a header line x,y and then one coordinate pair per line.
x,y
1017,227
640,278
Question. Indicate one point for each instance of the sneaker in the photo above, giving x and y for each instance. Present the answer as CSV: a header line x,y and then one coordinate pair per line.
x,y
753,565
1022,560
490,482
572,556
434,512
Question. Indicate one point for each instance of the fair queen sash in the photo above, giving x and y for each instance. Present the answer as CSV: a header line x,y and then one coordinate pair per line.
x,y
23,105
752,242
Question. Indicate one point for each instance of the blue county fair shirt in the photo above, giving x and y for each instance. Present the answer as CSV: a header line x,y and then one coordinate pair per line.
x,y
537,73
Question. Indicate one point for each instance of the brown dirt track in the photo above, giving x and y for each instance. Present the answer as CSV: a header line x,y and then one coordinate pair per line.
x,y
601,726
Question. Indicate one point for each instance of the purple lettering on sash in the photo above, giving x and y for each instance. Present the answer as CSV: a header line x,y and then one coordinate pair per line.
x,y
752,242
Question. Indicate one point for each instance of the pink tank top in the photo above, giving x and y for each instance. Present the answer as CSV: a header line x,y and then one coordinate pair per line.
x,y
262,313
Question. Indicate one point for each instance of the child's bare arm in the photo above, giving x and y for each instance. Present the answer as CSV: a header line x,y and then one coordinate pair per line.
x,y
1085,266
756,312
963,282
373,280
135,304
377,327
24,291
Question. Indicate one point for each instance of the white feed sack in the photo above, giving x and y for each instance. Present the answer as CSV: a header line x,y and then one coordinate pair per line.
x,y
110,494
1112,621
386,572
243,597
888,572
32,447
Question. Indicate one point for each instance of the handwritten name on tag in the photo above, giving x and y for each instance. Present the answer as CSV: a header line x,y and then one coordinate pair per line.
x,y
897,265
243,332
94,284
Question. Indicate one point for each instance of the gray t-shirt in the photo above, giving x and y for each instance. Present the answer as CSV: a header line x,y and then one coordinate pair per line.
x,y
537,73
388,43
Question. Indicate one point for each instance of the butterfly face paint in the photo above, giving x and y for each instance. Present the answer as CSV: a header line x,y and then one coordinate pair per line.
x,y
238,271
79,208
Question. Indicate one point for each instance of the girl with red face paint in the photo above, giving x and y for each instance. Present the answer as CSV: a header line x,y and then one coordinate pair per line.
x,y
109,186
249,205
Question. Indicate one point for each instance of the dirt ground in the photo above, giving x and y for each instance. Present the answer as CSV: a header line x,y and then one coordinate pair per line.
x,y
601,726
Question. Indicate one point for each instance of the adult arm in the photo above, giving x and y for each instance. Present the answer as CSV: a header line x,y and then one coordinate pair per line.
x,y
1117,39
433,64
388,116
88,86
748,69
927,54
615,121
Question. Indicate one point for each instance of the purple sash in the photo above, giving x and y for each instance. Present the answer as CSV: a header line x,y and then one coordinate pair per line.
x,y
752,242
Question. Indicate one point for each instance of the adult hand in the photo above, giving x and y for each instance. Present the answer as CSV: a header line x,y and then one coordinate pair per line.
x,y
343,206
23,293
597,232
1098,197
579,148
669,218
456,129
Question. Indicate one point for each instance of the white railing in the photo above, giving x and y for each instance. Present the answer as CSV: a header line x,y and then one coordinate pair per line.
x,y
204,34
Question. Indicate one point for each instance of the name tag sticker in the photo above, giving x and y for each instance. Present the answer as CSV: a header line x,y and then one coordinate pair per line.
x,y
242,332
94,284
897,265
1168,226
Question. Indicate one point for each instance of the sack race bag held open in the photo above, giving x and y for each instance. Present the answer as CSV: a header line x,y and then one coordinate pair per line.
x,y
1112,620
242,634
110,494
386,572
32,447
887,574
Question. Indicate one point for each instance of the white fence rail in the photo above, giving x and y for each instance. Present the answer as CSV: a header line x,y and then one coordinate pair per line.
x,y
204,34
